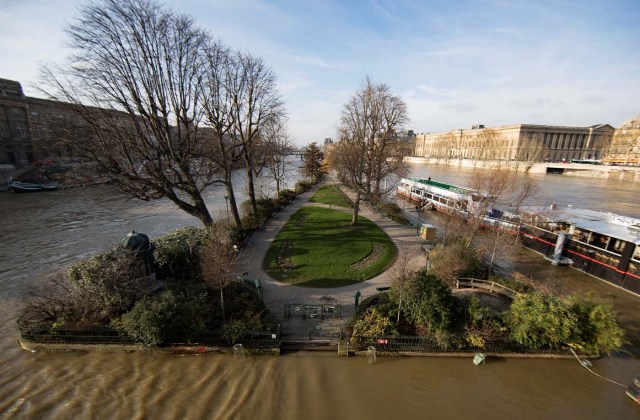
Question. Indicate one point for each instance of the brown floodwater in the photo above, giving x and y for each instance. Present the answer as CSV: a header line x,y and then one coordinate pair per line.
x,y
44,232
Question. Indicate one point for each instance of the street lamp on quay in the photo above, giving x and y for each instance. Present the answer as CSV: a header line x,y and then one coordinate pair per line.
x,y
226,200
427,251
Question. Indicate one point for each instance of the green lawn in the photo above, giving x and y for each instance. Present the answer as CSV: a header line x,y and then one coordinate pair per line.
x,y
323,249
330,194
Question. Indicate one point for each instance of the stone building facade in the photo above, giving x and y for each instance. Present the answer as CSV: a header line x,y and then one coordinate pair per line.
x,y
522,142
625,145
34,129
16,145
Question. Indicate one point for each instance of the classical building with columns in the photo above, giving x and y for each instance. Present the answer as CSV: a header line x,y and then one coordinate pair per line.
x,y
522,142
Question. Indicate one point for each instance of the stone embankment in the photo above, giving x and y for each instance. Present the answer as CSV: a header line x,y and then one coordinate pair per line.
x,y
623,173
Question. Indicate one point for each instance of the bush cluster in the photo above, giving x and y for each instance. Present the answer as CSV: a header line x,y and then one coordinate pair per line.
x,y
286,196
109,290
177,254
302,187
168,317
534,320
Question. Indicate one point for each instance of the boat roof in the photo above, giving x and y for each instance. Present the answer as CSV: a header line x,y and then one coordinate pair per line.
x,y
606,223
449,187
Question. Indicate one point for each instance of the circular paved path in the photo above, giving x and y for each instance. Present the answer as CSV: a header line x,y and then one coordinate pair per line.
x,y
405,238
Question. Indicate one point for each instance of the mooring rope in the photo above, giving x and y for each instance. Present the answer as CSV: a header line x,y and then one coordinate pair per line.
x,y
587,367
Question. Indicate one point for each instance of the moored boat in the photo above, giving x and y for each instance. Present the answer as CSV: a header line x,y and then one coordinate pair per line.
x,y
633,390
17,186
448,198
604,245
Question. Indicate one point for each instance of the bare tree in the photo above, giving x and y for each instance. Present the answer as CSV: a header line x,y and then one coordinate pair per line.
x,y
369,122
278,147
489,187
494,188
45,302
450,261
255,103
452,228
401,283
498,243
489,143
530,150
218,260
225,148
347,159
133,80
445,145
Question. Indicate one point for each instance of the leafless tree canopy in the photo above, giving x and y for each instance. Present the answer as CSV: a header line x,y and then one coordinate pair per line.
x,y
278,146
218,261
364,154
45,302
255,103
165,110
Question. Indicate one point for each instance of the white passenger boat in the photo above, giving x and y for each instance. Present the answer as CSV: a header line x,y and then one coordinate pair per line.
x,y
604,245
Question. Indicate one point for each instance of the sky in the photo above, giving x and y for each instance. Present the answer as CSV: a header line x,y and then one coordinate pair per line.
x,y
455,63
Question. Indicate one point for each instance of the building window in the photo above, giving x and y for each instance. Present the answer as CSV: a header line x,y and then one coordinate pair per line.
x,y
20,129
17,112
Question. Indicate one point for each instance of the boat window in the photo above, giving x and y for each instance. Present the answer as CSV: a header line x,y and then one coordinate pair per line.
x,y
636,255
599,240
616,245
581,235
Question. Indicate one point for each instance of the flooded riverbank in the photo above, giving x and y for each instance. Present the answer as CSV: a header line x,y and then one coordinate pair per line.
x,y
45,232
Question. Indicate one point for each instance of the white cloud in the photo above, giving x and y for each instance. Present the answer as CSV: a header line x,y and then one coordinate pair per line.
x,y
312,61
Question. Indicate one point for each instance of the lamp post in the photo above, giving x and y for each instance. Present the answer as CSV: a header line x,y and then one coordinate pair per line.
x,y
356,297
427,251
226,200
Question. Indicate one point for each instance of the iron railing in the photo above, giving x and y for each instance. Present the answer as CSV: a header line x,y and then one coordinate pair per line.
x,y
430,345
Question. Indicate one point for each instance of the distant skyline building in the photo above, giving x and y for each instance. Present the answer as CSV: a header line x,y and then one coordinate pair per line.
x,y
523,142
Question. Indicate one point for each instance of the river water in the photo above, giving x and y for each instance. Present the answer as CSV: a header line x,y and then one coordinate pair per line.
x,y
45,232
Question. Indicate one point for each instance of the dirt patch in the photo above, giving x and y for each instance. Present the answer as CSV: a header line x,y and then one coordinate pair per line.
x,y
376,253
284,256
302,219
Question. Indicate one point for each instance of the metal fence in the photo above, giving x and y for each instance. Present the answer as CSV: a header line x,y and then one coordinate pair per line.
x,y
248,339
430,345
312,333
273,339
88,336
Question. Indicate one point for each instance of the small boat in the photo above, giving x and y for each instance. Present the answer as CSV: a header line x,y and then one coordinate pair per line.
x,y
17,186
633,391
